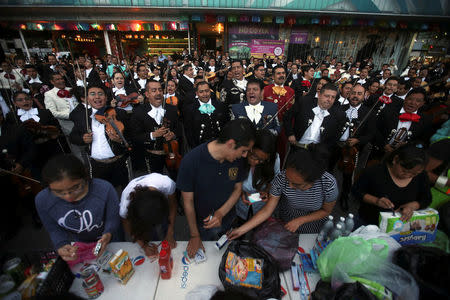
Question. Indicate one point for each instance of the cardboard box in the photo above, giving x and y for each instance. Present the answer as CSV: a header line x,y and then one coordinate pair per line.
x,y
421,228
121,266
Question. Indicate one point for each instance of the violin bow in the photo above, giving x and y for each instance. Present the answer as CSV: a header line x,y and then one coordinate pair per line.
x,y
19,175
365,118
9,101
278,111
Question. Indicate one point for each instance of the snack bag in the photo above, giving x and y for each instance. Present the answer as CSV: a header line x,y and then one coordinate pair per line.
x,y
421,228
244,271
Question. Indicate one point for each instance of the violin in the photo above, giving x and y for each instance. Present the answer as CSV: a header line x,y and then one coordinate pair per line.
x,y
113,127
124,100
171,148
347,162
40,131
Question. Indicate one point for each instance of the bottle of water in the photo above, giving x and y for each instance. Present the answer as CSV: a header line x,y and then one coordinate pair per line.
x,y
326,228
337,232
349,224
342,222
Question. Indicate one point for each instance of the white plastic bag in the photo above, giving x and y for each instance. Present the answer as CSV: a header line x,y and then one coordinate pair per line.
x,y
373,232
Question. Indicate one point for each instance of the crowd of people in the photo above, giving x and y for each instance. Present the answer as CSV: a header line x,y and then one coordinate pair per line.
x,y
121,147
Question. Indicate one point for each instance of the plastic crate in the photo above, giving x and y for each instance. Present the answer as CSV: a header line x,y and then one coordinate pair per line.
x,y
58,281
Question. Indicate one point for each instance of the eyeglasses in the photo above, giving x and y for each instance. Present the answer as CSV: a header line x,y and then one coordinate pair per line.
x,y
77,188
253,156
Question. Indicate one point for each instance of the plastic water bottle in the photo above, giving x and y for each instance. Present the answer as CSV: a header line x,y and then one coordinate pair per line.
x,y
326,228
342,222
337,232
349,224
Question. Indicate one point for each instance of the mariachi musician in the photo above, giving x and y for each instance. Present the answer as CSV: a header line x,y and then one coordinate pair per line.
x,y
205,117
123,95
233,90
399,125
41,125
257,111
107,150
152,125
387,98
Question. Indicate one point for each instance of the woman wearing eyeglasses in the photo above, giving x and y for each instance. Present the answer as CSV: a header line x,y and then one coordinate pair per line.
x,y
74,208
262,165
304,194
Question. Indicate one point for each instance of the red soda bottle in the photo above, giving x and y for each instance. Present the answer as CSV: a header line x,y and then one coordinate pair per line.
x,y
165,268
165,246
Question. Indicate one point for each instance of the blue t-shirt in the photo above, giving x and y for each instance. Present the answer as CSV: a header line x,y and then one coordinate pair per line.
x,y
211,182
85,220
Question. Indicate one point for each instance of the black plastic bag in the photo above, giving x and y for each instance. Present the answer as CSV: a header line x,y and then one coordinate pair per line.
x,y
348,291
429,266
271,286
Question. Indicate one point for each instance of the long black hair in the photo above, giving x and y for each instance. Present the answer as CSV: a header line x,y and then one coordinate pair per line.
x,y
310,163
147,209
409,156
264,172
63,166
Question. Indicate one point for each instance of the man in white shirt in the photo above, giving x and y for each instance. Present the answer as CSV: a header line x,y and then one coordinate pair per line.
x,y
363,77
346,88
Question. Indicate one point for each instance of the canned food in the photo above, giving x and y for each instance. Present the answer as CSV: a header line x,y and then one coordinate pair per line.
x,y
14,268
92,284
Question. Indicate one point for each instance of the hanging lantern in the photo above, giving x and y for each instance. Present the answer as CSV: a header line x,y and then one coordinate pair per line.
x,y
424,26
303,21
325,21
196,18
136,27
158,27
403,25
83,26
279,20
392,24
221,19
172,26
290,20
232,19
267,19
256,19
110,27
147,27
244,19
315,21
371,23
95,26
23,26
210,19
334,22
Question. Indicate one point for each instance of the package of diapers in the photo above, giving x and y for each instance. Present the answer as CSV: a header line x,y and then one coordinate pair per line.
x,y
421,228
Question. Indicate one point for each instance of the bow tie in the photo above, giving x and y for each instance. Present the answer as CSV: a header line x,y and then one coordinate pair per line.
x,y
157,113
63,94
385,99
405,117
254,112
23,72
206,108
28,114
10,76
352,113
306,83
279,90
320,113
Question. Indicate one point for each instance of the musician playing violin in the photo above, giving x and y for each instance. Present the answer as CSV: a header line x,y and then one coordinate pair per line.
x,y
154,124
121,88
107,151
407,118
40,124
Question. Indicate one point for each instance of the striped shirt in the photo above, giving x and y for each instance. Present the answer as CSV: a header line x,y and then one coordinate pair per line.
x,y
295,203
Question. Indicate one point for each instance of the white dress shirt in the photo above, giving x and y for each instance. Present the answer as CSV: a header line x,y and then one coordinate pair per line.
x,y
142,83
312,133
100,147
189,78
88,71
343,100
34,80
117,91
242,84
406,124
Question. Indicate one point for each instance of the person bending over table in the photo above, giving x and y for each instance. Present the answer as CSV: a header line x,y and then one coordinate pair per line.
x,y
146,214
263,163
304,193
398,183
74,208
210,180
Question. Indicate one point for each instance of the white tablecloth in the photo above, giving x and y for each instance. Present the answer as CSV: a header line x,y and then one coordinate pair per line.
x,y
146,283
142,285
